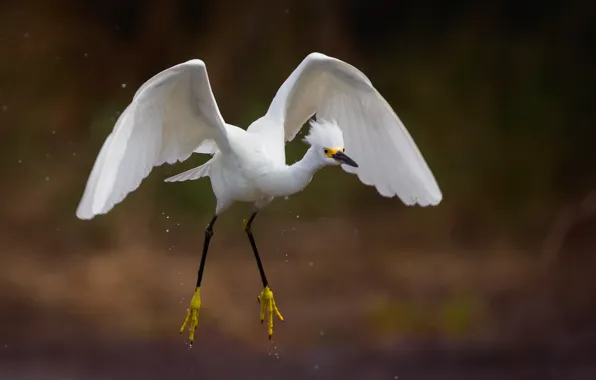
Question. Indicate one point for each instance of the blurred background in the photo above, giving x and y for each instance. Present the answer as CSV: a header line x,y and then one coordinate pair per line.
x,y
495,282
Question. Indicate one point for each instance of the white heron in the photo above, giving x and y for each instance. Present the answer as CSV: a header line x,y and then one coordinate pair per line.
x,y
174,114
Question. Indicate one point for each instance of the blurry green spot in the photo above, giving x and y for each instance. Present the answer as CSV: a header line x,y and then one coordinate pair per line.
x,y
457,315
393,317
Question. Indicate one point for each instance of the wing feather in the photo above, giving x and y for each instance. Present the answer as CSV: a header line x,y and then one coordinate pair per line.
x,y
374,136
170,116
192,174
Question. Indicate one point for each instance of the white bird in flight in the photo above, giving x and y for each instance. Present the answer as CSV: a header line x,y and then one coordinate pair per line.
x,y
174,114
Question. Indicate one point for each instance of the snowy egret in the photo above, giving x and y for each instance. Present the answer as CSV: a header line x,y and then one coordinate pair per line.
x,y
174,114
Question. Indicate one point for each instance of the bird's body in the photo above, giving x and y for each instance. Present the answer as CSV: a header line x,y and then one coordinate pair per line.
x,y
256,171
174,114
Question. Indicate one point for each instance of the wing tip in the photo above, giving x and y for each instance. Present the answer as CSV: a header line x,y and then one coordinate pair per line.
x,y
316,56
84,214
435,196
87,211
195,61
428,201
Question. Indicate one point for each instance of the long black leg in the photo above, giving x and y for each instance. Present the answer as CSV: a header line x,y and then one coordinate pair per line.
x,y
208,235
248,230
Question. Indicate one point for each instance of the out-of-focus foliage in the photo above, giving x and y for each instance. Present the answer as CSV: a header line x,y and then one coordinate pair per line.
x,y
498,95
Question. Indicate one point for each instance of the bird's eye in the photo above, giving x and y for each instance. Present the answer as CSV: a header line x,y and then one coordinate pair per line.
x,y
326,151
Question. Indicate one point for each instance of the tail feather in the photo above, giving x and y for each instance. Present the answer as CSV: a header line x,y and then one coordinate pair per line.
x,y
192,174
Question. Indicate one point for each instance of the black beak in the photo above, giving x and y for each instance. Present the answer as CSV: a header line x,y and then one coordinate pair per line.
x,y
344,159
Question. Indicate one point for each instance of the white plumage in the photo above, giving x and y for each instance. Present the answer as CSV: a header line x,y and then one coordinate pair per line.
x,y
175,114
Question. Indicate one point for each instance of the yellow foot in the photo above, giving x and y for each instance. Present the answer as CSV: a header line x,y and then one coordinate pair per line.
x,y
192,318
268,307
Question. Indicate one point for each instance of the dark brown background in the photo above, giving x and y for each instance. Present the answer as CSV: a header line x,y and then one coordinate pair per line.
x,y
496,282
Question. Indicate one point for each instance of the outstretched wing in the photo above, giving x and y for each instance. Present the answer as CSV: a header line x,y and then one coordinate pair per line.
x,y
170,116
374,136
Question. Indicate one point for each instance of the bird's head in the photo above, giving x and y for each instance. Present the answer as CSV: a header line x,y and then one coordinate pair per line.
x,y
328,142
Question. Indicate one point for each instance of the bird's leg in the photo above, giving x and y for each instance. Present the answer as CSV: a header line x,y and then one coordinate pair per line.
x,y
265,299
192,317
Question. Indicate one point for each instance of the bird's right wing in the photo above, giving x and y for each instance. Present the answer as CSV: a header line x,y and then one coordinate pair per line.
x,y
170,116
373,135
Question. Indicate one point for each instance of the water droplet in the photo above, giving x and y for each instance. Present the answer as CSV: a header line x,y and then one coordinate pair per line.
x,y
297,216
316,366
20,161
322,333
74,153
123,85
167,230
53,132
167,217
26,35
85,55
47,178
311,264
4,108
286,198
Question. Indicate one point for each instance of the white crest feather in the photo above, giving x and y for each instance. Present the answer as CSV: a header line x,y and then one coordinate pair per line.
x,y
325,134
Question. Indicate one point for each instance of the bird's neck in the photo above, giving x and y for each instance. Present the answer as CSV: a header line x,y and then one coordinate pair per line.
x,y
304,169
291,179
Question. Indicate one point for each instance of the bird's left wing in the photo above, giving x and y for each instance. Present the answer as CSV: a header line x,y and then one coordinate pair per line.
x,y
374,136
170,116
